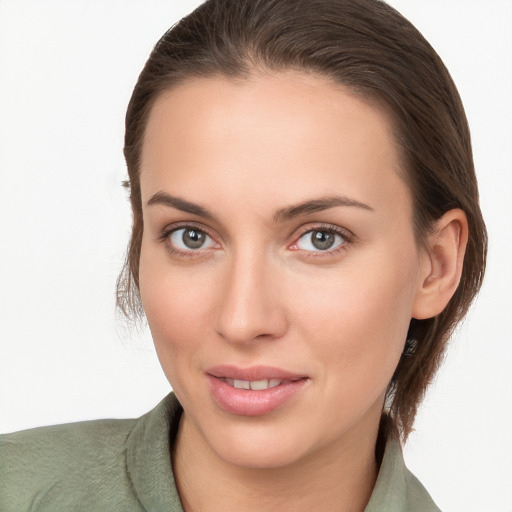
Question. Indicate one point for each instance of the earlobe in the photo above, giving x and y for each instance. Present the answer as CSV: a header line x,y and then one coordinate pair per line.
x,y
442,270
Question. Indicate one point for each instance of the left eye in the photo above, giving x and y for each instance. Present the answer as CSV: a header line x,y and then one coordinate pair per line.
x,y
319,240
186,239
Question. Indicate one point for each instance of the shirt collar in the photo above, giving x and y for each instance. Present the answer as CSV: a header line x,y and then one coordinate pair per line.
x,y
148,457
149,466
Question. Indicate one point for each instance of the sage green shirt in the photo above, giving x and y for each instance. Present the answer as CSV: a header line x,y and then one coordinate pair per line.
x,y
124,465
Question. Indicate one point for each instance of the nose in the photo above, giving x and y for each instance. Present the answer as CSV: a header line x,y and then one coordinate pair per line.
x,y
251,305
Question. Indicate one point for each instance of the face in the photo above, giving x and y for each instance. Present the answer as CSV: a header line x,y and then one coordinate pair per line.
x,y
279,269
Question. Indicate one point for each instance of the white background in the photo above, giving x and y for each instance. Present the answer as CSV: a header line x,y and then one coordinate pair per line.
x,y
67,69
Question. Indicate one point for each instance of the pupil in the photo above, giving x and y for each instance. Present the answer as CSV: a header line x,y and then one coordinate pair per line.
x,y
322,240
193,239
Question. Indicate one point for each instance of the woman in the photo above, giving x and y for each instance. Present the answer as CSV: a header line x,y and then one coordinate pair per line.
x,y
306,235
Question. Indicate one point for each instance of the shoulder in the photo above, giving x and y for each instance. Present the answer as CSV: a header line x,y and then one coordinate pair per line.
x,y
397,489
418,498
113,465
65,460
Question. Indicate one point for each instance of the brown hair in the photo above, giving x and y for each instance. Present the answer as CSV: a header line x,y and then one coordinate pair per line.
x,y
369,48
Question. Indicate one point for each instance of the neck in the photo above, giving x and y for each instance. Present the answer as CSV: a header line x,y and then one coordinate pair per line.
x,y
336,478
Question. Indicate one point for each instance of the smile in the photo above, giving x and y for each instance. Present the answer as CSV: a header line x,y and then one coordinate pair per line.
x,y
255,385
253,391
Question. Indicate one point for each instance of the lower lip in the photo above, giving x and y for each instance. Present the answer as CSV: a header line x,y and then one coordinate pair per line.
x,y
246,402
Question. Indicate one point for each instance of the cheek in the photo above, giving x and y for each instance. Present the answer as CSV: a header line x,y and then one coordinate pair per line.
x,y
168,292
358,319
175,304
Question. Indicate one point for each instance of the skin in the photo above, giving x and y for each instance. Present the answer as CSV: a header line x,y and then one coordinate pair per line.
x,y
259,293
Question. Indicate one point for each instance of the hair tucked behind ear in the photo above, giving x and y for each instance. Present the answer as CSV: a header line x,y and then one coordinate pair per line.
x,y
369,48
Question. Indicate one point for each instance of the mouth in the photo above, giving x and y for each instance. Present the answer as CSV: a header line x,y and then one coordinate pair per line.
x,y
271,374
257,385
253,391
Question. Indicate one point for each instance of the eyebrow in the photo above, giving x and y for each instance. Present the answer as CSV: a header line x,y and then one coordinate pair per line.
x,y
179,204
284,214
317,205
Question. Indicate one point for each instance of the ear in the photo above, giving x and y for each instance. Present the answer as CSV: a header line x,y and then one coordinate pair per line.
x,y
442,263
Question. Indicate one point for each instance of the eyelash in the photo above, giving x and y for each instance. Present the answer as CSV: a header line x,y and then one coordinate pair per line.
x,y
347,236
167,232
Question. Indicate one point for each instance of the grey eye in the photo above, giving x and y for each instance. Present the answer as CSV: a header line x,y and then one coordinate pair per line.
x,y
319,240
186,239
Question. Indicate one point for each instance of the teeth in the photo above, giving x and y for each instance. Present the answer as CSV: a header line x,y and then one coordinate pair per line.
x,y
259,384
241,384
255,385
272,383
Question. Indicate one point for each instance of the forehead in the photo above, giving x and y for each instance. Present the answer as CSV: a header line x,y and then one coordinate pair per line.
x,y
278,136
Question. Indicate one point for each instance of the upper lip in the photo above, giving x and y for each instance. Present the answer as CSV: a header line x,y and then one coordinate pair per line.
x,y
252,373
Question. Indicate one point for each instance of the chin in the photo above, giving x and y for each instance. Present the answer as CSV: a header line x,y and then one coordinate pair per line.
x,y
273,441
255,452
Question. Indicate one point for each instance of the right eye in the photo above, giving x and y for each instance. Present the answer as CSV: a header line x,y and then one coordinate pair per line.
x,y
190,239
